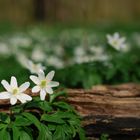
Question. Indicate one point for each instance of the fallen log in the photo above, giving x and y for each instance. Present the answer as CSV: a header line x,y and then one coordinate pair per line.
x,y
105,109
109,109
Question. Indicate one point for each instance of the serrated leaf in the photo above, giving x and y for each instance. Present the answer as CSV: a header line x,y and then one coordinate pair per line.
x,y
44,133
4,134
59,134
22,121
43,105
16,132
67,130
54,96
81,133
66,115
51,127
25,136
33,119
63,105
2,125
4,118
52,118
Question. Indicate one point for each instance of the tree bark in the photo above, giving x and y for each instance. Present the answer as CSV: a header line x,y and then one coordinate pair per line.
x,y
109,109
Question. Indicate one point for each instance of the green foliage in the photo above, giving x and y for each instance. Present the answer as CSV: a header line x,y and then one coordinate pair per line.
x,y
104,137
122,68
41,120
119,68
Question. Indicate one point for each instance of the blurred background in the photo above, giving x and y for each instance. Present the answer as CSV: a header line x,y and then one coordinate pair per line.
x,y
71,38
24,12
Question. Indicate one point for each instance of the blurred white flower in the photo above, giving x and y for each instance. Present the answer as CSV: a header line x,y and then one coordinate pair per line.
x,y
28,64
4,49
20,41
38,54
98,53
117,42
34,68
88,54
55,61
44,83
80,51
22,59
14,92
97,50
38,35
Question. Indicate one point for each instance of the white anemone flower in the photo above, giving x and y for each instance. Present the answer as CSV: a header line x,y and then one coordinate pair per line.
x,y
34,68
117,42
44,83
38,54
14,92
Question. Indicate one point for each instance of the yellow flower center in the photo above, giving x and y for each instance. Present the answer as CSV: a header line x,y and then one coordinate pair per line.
x,y
115,42
43,83
34,66
15,91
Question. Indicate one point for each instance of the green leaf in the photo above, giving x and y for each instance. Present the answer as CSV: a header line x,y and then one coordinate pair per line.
x,y
73,130
54,96
22,121
2,125
59,133
16,132
33,119
104,137
63,105
25,136
4,118
43,105
81,133
66,115
51,127
17,108
52,118
67,130
4,134
44,133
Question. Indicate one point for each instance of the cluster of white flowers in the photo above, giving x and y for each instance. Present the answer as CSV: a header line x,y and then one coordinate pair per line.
x,y
54,51
43,83
88,54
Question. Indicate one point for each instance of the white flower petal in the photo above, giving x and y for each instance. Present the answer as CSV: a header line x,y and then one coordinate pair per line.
x,y
50,75
4,95
41,75
49,90
116,36
109,37
6,85
24,86
35,79
53,84
13,82
42,94
122,40
24,98
35,89
13,100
